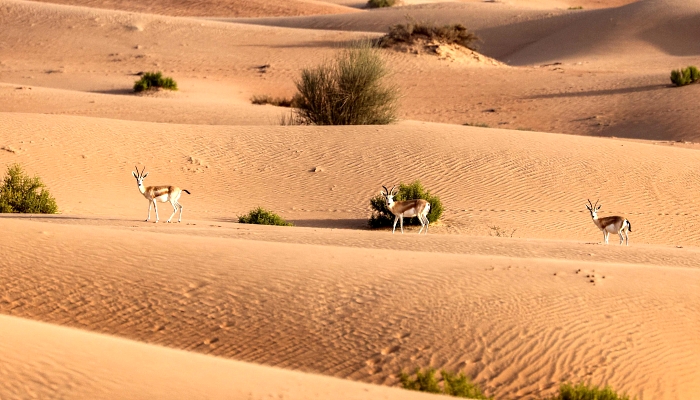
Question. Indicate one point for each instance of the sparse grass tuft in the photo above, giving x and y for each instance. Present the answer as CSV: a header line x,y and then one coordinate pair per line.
x,y
685,76
499,232
381,216
348,91
581,391
275,101
457,385
476,124
20,193
154,80
413,30
576,8
381,3
262,216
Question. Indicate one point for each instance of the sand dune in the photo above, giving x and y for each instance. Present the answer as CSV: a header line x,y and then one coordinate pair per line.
x,y
533,182
46,361
519,314
365,314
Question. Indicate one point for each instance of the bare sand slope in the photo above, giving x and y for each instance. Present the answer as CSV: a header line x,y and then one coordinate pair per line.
x,y
210,8
518,325
47,361
535,183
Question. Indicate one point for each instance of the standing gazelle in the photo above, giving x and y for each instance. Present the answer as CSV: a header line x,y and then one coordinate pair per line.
x,y
610,225
407,208
159,193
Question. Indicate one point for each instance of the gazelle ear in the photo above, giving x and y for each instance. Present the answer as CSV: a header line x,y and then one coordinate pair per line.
x,y
146,175
134,174
588,207
598,208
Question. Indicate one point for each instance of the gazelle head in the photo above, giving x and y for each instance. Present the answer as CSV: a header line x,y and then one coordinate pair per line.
x,y
139,175
389,195
593,208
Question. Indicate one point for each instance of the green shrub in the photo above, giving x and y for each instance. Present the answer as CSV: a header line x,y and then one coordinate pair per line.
x,y
262,216
348,91
413,30
685,76
154,80
381,216
20,194
457,385
275,101
581,391
381,3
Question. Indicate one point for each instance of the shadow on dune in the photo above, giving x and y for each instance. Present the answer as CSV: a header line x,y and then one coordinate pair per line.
x,y
605,92
115,91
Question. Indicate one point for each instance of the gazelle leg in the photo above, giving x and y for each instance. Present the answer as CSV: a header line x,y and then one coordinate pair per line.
x,y
155,207
401,219
627,238
605,237
149,211
427,224
422,224
621,237
396,219
172,203
181,207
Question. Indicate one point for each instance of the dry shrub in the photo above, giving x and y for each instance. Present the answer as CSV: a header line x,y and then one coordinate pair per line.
x,y
414,30
348,91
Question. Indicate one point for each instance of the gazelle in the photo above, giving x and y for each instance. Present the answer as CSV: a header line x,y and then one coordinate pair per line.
x,y
407,208
608,225
159,193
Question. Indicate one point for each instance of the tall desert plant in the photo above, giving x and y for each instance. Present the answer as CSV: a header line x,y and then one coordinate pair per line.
x,y
21,193
350,90
381,216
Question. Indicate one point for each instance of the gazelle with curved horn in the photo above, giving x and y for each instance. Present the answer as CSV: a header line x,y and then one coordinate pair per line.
x,y
407,208
608,225
159,193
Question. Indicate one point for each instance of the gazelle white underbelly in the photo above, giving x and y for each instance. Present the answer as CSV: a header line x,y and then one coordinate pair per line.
x,y
410,212
162,198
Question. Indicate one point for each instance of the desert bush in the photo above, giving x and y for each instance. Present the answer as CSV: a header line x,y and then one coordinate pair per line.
x,y
500,232
685,76
20,193
457,385
413,30
275,101
381,3
262,216
581,391
154,80
381,216
348,91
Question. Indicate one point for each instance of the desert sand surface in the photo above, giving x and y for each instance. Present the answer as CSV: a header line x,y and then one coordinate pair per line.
x,y
560,106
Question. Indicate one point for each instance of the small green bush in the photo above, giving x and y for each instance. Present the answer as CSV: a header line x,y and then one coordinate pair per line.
x,y
20,194
348,91
413,30
381,3
457,385
685,76
262,216
381,216
581,391
154,80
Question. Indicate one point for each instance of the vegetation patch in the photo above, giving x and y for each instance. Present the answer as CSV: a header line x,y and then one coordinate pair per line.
x,y
501,232
381,3
476,124
154,81
452,384
350,90
424,32
381,216
262,216
275,101
581,391
21,193
685,76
